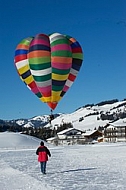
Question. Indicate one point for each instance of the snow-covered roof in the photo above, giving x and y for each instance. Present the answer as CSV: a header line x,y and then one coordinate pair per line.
x,y
51,139
67,130
88,133
119,123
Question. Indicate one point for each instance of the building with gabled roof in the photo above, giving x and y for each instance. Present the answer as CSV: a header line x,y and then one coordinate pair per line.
x,y
72,136
116,131
67,136
93,136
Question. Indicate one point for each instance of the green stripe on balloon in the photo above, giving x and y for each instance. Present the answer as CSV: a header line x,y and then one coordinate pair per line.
x,y
39,60
57,88
26,41
60,72
59,41
62,53
77,55
40,66
42,78
39,95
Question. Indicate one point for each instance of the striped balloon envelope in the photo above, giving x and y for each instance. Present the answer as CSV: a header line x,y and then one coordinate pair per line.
x,y
48,65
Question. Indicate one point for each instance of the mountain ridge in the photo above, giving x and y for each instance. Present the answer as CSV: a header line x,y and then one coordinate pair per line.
x,y
86,117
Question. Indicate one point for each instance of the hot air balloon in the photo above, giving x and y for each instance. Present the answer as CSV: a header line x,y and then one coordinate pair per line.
x,y
48,65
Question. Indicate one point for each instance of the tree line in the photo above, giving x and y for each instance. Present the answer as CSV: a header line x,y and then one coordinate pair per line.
x,y
39,132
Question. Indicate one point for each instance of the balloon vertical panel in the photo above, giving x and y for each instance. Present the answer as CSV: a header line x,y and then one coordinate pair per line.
x,y
22,66
77,59
40,65
61,62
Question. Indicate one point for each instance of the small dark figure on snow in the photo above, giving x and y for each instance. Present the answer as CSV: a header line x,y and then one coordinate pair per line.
x,y
43,153
51,117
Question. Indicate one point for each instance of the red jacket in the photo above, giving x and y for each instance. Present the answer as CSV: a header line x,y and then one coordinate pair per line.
x,y
43,153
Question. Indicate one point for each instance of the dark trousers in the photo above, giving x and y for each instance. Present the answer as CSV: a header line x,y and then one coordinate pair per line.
x,y
43,167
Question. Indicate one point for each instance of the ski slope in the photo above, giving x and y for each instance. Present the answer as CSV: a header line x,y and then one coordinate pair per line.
x,y
89,167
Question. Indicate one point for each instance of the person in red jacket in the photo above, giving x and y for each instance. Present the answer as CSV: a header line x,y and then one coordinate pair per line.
x,y
43,153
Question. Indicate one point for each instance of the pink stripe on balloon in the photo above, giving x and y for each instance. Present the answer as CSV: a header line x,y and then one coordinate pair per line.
x,y
46,91
61,47
39,41
65,88
35,90
61,65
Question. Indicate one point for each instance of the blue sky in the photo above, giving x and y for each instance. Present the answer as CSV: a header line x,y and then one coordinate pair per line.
x,y
100,28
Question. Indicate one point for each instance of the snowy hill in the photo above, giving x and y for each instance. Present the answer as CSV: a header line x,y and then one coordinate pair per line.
x,y
88,117
18,141
91,117
36,121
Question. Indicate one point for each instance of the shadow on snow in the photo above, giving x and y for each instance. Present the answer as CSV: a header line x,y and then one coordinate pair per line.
x,y
75,170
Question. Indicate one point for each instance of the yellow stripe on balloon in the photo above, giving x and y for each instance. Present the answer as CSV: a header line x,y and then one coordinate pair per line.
x,y
59,77
23,69
46,99
28,80
56,96
42,99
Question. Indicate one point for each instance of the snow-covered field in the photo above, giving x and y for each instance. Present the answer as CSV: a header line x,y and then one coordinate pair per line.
x,y
89,167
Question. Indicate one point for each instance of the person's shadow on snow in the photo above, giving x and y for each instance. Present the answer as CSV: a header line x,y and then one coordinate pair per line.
x,y
75,170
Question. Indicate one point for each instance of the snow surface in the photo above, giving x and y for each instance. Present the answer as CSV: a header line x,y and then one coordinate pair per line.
x,y
89,167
